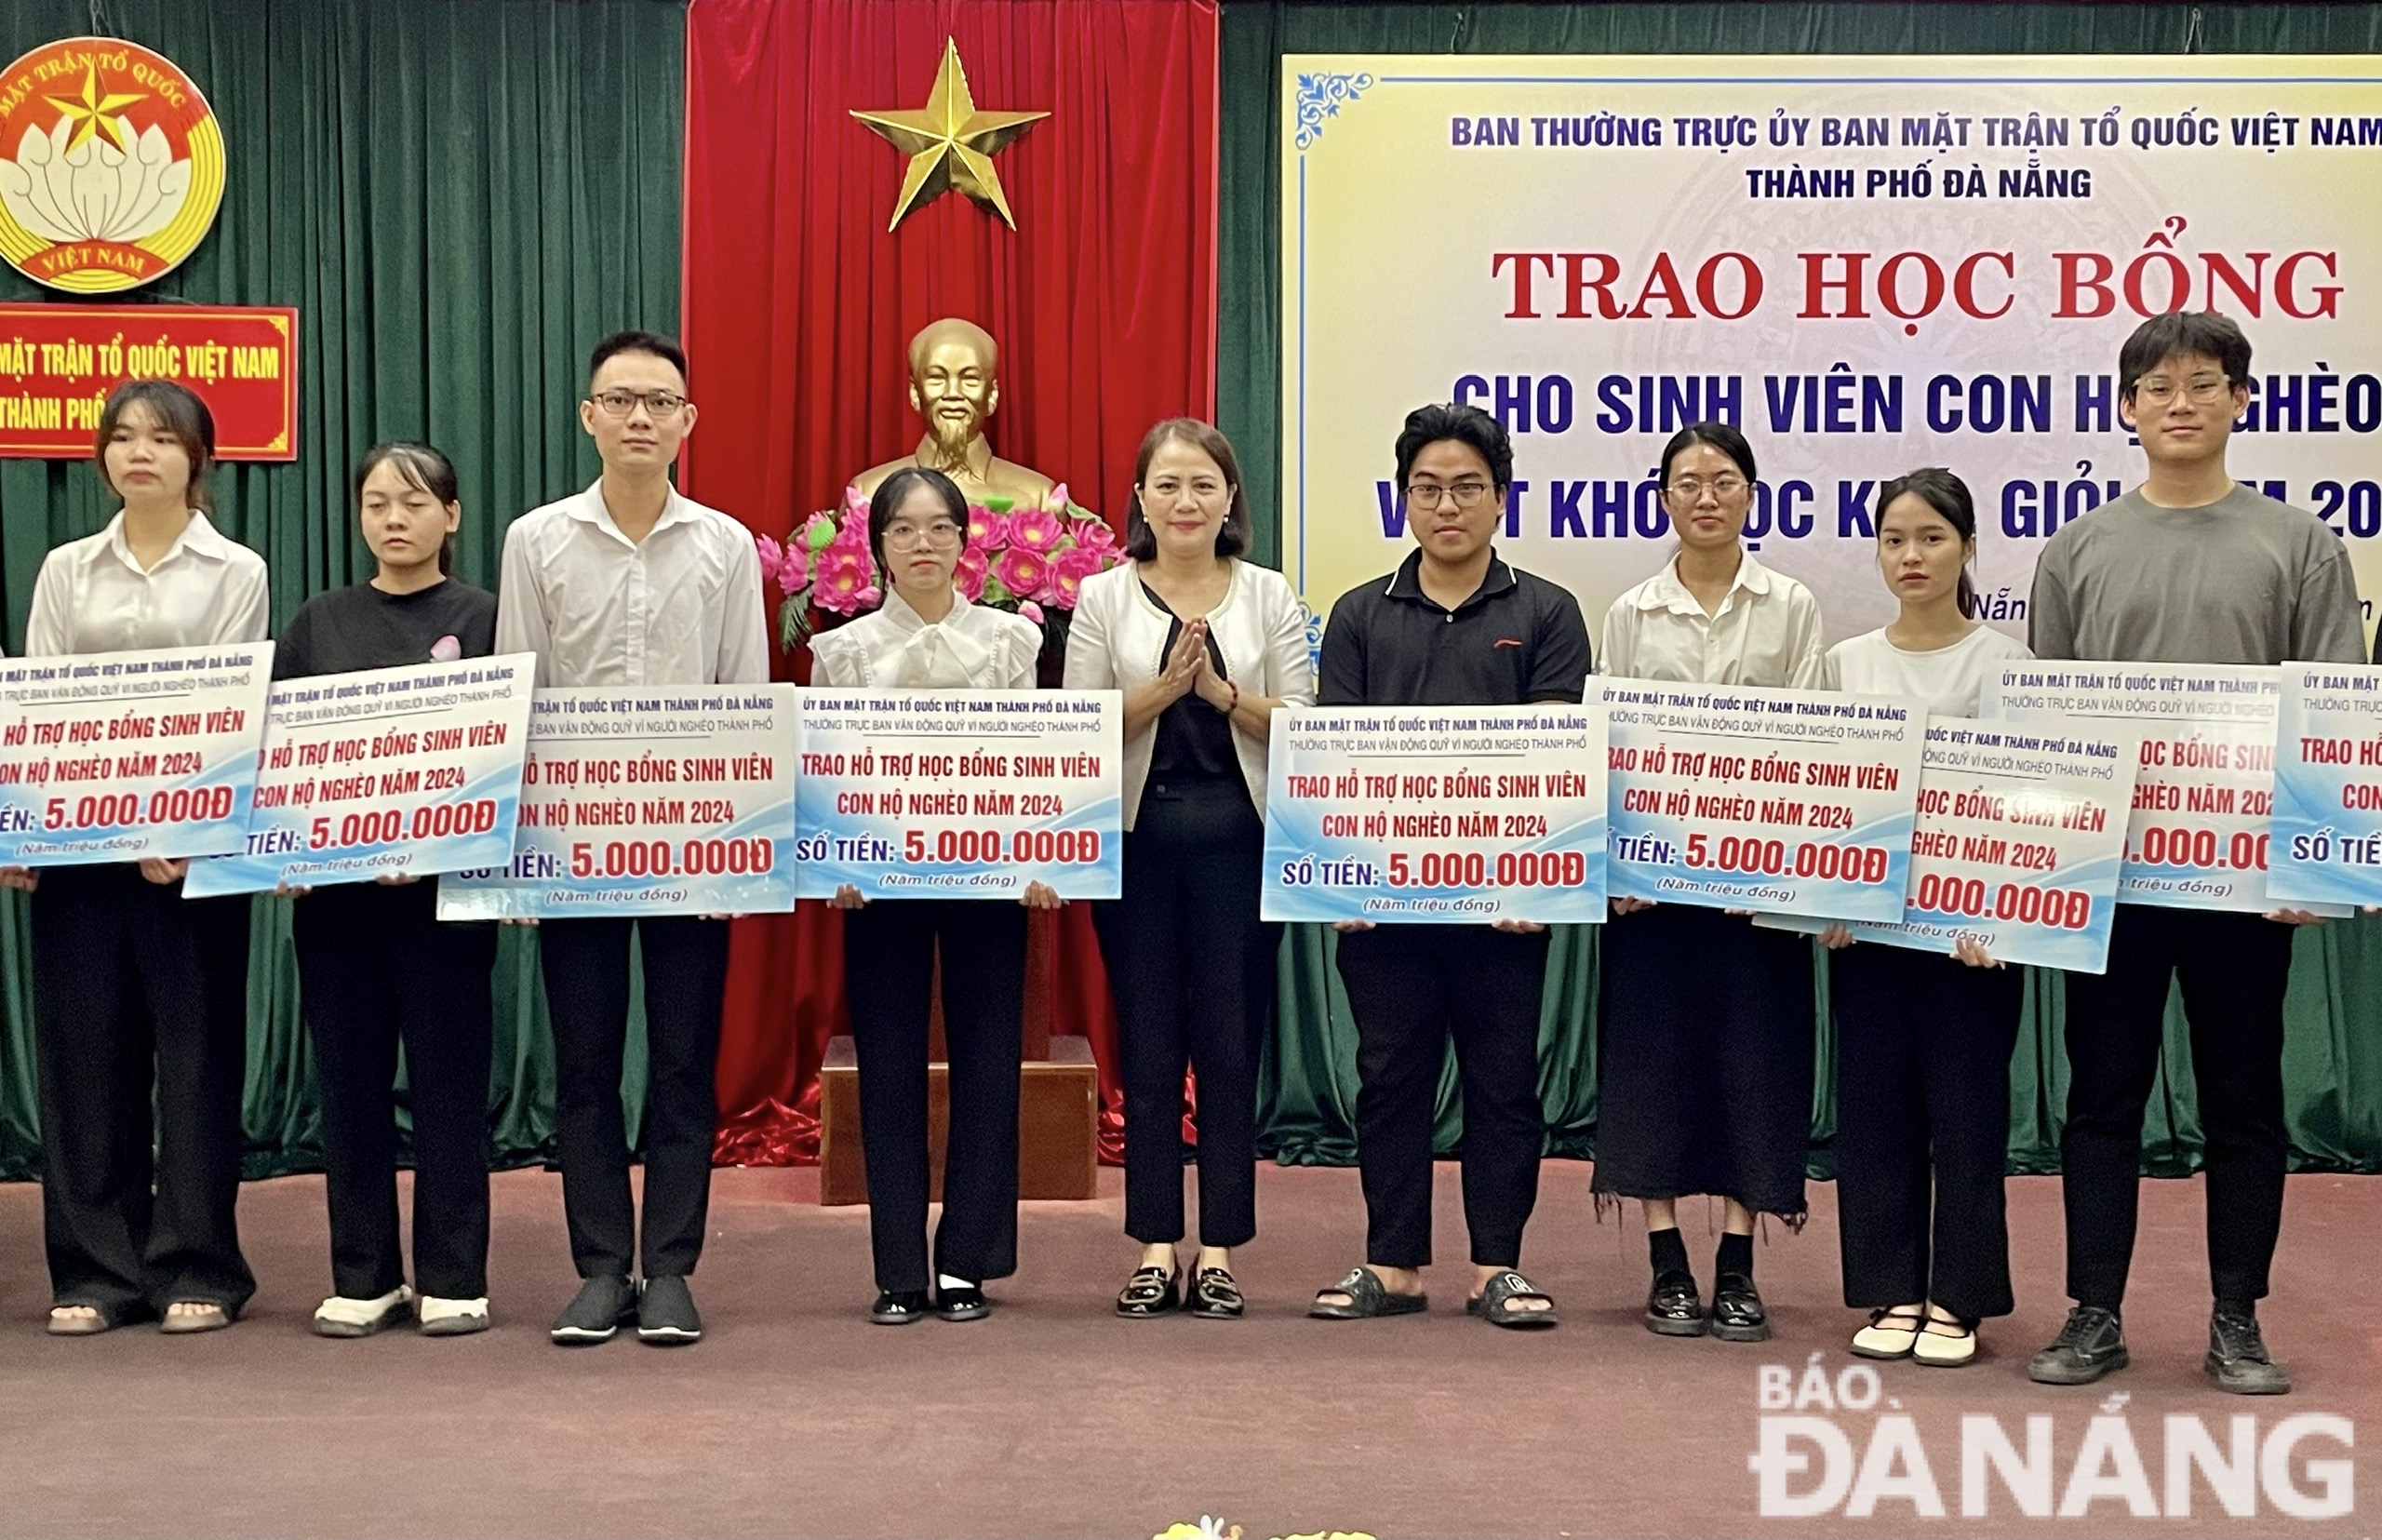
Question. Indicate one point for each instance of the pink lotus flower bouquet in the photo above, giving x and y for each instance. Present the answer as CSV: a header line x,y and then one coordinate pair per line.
x,y
1029,560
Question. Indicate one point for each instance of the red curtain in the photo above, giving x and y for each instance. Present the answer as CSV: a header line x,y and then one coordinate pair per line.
x,y
798,303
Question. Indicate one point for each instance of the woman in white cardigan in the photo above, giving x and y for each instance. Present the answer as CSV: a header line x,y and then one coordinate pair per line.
x,y
1204,647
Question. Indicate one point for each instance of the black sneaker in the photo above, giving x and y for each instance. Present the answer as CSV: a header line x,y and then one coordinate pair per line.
x,y
1737,1315
2091,1344
2237,1355
666,1312
602,1307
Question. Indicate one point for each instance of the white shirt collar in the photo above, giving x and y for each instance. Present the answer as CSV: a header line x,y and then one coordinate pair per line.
x,y
590,508
199,537
1664,590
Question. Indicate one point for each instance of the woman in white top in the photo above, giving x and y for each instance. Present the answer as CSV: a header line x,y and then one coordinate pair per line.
x,y
1706,1026
927,637
139,993
1204,646
1923,1039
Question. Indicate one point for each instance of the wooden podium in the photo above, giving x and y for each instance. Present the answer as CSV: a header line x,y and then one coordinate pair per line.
x,y
1058,1100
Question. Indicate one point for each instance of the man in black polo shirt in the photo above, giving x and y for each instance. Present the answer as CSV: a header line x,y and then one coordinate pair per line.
x,y
1453,626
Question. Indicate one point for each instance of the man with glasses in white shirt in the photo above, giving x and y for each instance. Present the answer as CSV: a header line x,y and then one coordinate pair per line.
x,y
630,584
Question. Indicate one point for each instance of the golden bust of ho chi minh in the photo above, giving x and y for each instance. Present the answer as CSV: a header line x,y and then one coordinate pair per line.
x,y
955,385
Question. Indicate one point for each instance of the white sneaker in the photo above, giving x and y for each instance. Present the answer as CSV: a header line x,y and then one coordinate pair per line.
x,y
451,1317
340,1317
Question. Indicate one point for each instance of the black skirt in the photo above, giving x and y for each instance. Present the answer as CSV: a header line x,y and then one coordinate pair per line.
x,y
1705,1045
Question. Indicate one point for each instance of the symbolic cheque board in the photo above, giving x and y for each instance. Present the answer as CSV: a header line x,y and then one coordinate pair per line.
x,y
2016,846
1436,813
1865,262
1787,802
2327,845
959,793
2197,836
386,773
117,756
641,801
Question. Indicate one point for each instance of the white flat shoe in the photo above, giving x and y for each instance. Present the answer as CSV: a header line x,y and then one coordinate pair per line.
x,y
340,1317
451,1317
1889,1334
1939,1350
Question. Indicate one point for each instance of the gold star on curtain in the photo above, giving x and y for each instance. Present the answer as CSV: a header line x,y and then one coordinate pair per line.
x,y
950,143
93,111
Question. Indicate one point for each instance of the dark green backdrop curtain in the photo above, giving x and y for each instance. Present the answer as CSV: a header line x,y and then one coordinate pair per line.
x,y
459,196
2333,1058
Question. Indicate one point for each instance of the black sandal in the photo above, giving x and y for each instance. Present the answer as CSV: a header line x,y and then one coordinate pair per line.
x,y
1367,1299
1214,1295
1147,1294
1495,1303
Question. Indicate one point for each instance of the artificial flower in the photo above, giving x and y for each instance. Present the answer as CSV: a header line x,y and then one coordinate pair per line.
x,y
1068,570
1031,610
969,574
1034,530
842,577
985,528
1020,570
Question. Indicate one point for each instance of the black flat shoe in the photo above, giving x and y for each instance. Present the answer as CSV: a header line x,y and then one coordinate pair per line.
x,y
1149,1293
967,1302
1673,1308
1214,1295
1737,1315
899,1307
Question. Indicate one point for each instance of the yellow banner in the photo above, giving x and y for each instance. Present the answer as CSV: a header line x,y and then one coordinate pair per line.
x,y
1868,265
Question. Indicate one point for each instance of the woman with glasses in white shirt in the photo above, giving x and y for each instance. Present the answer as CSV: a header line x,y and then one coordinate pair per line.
x,y
1705,1023
927,637
1923,1038
139,994
1204,647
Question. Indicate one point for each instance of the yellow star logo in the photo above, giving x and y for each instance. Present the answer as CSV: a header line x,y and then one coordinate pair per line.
x,y
950,143
94,111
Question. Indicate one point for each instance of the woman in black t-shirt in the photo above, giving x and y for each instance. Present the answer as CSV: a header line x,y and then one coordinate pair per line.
x,y
375,965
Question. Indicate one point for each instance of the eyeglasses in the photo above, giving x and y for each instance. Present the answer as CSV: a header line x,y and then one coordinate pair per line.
x,y
909,537
1689,488
1466,495
2202,390
656,403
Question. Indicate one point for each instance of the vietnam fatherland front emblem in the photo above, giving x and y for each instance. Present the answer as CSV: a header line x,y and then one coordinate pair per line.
x,y
110,165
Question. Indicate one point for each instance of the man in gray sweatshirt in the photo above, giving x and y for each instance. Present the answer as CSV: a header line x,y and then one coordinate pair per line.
x,y
2188,567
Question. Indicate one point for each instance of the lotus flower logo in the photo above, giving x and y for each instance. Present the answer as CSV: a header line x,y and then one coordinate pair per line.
x,y
110,165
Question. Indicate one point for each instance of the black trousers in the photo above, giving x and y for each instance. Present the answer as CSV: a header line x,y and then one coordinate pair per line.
x,y
586,967
2233,970
1411,987
1192,968
889,967
139,995
1922,1128
376,968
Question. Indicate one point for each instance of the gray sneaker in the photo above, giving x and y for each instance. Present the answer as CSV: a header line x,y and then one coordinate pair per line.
x,y
2237,1355
2091,1344
602,1307
666,1312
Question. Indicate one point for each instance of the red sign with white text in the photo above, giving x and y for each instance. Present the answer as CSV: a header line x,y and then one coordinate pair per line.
x,y
58,362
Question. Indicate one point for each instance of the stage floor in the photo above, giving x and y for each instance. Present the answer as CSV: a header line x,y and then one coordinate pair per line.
x,y
797,1417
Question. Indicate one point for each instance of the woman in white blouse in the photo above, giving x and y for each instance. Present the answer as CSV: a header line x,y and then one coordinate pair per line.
x,y
1706,1025
1204,646
927,637
139,993
1923,1039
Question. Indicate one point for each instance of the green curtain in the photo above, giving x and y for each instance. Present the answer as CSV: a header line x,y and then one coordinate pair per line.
x,y
460,196
2334,1045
